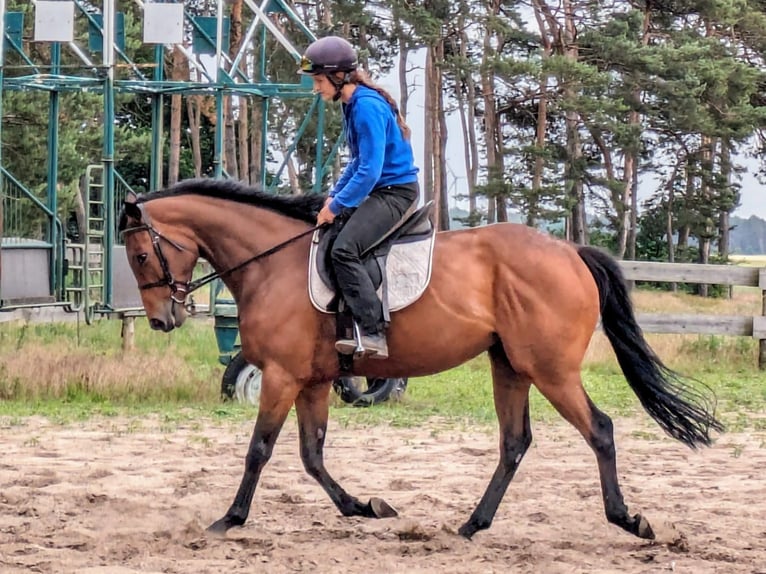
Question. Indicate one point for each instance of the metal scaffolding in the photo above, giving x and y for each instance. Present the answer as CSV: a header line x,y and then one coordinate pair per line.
x,y
117,73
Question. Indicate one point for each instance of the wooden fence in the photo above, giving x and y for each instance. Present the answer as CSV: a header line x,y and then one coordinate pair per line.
x,y
737,325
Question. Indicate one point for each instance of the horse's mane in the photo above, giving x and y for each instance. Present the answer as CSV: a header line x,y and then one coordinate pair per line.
x,y
303,207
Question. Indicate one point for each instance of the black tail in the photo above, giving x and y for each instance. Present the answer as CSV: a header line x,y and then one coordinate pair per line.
x,y
684,412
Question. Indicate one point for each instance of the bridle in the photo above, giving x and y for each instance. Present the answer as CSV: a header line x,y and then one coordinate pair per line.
x,y
182,287
185,288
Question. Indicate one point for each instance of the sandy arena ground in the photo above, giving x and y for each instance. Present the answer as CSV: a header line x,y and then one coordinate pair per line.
x,y
119,496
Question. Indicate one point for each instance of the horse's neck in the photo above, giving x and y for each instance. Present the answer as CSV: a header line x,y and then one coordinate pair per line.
x,y
230,233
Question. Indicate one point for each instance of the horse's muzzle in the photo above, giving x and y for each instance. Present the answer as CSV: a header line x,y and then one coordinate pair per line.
x,y
160,325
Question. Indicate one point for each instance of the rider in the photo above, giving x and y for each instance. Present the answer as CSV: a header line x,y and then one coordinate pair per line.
x,y
376,188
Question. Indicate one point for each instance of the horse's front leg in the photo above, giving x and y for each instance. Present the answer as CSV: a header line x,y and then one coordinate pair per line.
x,y
312,406
278,392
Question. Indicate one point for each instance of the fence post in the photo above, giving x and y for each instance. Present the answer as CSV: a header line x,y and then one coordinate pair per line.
x,y
761,332
128,332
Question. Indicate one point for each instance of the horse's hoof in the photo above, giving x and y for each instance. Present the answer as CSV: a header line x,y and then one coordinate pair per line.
x,y
467,531
644,529
382,509
220,527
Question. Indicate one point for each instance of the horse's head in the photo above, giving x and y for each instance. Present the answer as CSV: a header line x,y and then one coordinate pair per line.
x,y
162,265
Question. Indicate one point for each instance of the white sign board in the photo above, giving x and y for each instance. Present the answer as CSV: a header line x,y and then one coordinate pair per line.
x,y
163,23
54,21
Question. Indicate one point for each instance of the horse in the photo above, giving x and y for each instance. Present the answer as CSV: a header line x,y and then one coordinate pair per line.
x,y
530,301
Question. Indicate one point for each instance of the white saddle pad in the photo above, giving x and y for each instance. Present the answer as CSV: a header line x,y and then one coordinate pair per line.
x,y
408,271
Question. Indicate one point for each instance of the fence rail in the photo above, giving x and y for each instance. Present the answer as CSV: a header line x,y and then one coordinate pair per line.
x,y
737,325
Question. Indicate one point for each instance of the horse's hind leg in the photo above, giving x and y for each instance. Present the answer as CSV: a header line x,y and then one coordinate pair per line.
x,y
512,405
570,399
312,407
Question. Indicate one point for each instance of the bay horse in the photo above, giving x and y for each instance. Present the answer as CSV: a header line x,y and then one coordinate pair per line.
x,y
532,302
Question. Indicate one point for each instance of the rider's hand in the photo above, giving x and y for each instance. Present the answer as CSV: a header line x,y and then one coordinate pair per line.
x,y
325,215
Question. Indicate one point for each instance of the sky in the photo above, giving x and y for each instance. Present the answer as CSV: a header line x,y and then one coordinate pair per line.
x,y
753,193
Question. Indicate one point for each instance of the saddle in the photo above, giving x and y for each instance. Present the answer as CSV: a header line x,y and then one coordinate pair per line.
x,y
399,264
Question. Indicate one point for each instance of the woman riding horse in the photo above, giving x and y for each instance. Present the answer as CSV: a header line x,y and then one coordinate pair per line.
x,y
377,187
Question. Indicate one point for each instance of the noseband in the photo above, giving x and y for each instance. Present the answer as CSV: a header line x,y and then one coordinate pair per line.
x,y
178,289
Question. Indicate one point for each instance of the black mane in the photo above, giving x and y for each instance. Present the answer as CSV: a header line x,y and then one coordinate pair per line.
x,y
302,207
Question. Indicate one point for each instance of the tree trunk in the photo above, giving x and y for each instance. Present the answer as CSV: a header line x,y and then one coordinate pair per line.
x,y
292,172
243,141
669,225
440,161
435,173
684,229
194,118
180,72
428,140
79,210
706,229
230,163
491,127
574,183
404,89
724,224
473,147
634,119
633,233
256,143
542,122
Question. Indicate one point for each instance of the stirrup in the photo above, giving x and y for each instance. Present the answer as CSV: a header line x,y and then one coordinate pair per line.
x,y
352,346
356,347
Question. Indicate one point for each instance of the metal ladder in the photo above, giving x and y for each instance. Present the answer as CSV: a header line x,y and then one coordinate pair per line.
x,y
95,232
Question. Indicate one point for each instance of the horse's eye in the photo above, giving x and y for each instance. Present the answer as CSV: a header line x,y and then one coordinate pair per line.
x,y
141,258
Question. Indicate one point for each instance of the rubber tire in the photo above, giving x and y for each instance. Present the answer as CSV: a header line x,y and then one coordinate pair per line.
x,y
241,381
379,390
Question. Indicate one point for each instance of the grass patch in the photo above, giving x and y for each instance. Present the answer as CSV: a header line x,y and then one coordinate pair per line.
x,y
749,260
70,372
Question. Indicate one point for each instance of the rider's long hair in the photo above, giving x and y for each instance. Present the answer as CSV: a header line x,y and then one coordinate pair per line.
x,y
362,78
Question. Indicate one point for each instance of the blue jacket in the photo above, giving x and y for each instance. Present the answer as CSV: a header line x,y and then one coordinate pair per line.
x,y
380,155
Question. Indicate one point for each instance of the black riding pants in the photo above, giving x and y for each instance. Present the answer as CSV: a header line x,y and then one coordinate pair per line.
x,y
361,228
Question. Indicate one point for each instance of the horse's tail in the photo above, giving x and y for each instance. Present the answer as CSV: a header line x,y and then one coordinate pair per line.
x,y
684,412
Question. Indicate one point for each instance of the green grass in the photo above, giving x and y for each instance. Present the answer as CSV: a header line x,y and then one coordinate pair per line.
x,y
463,397
68,372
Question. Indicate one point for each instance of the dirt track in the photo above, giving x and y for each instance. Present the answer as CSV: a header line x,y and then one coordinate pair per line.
x,y
109,497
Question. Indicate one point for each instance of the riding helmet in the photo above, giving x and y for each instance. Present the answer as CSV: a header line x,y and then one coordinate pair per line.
x,y
327,55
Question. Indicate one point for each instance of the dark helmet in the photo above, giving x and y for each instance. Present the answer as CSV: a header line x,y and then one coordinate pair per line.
x,y
327,55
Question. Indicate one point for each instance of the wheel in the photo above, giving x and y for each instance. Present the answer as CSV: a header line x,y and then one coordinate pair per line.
x,y
378,390
241,381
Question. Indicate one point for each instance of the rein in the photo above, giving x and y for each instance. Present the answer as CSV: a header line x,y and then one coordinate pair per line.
x,y
188,287
202,281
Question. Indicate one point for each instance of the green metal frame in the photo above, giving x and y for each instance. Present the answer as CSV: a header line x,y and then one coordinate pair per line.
x,y
102,79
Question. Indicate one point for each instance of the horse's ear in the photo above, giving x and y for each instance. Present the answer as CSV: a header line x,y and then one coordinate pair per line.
x,y
131,207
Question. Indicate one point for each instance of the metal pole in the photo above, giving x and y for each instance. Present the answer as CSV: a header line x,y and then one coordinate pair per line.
x,y
219,128
762,342
246,42
155,176
264,127
108,152
53,168
2,81
276,32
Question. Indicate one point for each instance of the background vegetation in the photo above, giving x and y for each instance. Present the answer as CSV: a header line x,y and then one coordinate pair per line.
x,y
564,107
67,372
